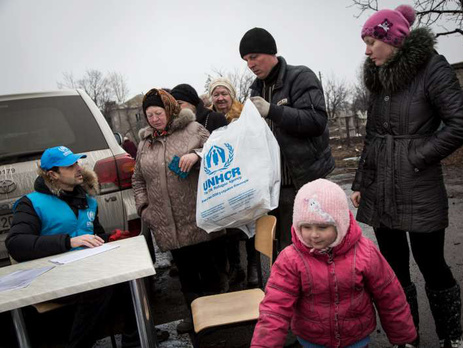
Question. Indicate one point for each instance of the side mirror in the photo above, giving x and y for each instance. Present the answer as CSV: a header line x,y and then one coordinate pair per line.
x,y
119,138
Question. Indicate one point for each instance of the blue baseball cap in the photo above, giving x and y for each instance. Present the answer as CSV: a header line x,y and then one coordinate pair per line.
x,y
59,156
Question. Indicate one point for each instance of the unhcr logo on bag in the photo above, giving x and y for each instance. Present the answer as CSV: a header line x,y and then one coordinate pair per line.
x,y
219,159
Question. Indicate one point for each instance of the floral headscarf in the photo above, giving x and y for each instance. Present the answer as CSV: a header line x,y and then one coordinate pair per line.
x,y
171,106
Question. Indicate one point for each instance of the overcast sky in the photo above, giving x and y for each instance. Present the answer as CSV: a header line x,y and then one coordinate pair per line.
x,y
163,43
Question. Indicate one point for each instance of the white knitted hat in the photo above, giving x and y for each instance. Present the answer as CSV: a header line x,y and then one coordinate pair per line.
x,y
223,82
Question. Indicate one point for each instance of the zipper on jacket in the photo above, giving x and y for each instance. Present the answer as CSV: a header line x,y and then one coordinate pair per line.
x,y
330,257
334,279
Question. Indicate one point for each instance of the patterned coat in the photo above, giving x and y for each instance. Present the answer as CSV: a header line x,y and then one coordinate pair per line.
x,y
165,201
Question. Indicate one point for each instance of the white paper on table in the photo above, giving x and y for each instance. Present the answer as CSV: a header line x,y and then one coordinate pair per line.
x,y
21,279
82,254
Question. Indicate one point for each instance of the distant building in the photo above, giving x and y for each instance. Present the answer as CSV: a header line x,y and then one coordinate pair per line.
x,y
127,119
458,67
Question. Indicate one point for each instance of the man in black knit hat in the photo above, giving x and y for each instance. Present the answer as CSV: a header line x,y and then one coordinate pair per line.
x,y
187,97
291,100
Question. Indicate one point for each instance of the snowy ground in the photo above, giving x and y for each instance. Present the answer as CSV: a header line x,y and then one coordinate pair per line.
x,y
454,239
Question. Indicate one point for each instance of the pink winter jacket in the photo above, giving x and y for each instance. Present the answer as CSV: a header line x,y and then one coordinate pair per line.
x,y
329,299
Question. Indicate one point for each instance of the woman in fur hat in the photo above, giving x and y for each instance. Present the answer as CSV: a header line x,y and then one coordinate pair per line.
x,y
399,184
165,193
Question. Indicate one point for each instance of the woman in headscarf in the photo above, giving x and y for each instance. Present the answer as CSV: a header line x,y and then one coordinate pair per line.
x,y
399,185
165,185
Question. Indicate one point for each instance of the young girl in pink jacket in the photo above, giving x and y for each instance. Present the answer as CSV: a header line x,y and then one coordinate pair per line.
x,y
326,284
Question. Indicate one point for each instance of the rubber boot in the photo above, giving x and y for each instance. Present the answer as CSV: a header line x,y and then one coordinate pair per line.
x,y
446,311
186,325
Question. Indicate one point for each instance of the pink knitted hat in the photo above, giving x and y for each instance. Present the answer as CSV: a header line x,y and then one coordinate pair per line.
x,y
390,26
321,202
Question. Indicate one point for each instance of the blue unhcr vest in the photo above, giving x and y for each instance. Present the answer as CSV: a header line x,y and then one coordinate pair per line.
x,y
57,216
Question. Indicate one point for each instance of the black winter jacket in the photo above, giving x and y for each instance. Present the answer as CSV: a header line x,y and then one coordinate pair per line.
x,y
298,112
400,175
211,120
24,241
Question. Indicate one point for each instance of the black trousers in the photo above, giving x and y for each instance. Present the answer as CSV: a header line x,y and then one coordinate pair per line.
x,y
91,309
284,215
95,309
198,271
428,252
234,236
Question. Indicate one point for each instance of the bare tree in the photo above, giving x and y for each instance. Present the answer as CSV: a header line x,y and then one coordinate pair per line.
x,y
446,14
360,94
336,96
106,91
240,79
96,85
118,94
69,81
118,85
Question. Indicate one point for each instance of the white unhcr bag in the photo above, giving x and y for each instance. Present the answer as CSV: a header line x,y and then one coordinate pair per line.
x,y
239,180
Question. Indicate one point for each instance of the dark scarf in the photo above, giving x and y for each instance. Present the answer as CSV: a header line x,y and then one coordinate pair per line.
x,y
76,199
273,75
269,82
399,71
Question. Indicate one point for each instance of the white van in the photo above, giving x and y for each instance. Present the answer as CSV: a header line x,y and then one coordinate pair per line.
x,y
31,123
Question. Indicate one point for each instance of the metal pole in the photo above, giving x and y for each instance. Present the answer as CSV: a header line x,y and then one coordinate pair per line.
x,y
145,324
347,119
20,328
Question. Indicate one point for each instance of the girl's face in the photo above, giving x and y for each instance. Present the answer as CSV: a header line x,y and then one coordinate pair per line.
x,y
378,51
319,236
157,117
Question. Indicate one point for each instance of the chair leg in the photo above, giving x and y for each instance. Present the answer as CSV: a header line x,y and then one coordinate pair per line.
x,y
113,341
260,278
195,339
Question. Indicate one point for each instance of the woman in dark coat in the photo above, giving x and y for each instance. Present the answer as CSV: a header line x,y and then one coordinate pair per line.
x,y
399,185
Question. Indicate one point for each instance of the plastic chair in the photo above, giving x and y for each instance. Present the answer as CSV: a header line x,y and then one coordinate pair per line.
x,y
238,307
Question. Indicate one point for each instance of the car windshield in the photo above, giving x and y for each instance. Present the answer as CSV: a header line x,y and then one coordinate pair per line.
x,y
29,126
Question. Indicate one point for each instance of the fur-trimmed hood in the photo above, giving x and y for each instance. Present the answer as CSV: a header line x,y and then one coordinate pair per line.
x,y
401,69
90,184
184,118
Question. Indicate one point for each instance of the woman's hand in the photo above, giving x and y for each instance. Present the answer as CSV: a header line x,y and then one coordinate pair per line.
x,y
355,198
86,240
187,162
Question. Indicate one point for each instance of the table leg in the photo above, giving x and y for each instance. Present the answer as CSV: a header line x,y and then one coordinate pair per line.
x,y
20,328
143,315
